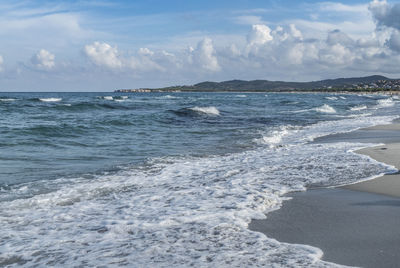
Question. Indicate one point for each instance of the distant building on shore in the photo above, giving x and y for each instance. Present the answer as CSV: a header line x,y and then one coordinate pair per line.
x,y
140,90
133,90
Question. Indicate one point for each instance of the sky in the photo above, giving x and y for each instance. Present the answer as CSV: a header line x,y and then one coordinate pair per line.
x,y
103,45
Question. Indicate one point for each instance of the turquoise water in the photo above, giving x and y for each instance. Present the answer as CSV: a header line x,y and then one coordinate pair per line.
x,y
159,179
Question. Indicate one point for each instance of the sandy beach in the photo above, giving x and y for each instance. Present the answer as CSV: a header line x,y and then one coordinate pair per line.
x,y
355,225
389,154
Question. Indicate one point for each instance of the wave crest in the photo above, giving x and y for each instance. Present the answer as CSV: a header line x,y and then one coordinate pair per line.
x,y
210,110
50,99
326,109
331,98
358,108
385,103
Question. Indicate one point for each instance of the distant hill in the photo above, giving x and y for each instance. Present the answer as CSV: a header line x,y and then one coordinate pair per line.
x,y
265,85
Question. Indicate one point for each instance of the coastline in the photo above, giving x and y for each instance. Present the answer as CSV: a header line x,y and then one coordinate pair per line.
x,y
385,93
354,224
389,153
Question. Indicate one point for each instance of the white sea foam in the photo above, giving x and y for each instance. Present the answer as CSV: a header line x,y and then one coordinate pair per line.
x,y
108,97
382,103
169,97
331,98
211,110
275,137
50,99
295,134
7,99
241,96
326,109
299,111
120,98
358,108
342,97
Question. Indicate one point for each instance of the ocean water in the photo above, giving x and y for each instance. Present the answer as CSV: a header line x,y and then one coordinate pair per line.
x,y
161,179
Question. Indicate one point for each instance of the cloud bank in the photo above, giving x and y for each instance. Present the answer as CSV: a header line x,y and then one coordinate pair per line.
x,y
291,49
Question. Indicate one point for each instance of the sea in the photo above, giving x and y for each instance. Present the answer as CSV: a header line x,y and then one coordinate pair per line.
x,y
170,179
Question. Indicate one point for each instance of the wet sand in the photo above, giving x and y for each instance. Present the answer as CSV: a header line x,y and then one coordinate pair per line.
x,y
387,184
351,227
357,225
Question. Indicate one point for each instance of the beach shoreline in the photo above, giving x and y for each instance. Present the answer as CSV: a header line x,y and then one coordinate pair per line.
x,y
388,153
355,224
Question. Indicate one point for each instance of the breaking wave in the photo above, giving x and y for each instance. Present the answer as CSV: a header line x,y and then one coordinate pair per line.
x,y
358,108
326,109
7,99
331,98
50,99
211,110
385,103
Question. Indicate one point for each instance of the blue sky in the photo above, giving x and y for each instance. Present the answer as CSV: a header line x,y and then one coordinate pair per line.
x,y
105,45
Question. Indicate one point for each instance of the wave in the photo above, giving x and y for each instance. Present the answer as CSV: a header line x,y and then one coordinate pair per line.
x,y
275,137
343,98
358,108
241,96
169,97
120,98
50,99
210,110
7,99
291,134
325,109
300,111
114,98
197,111
382,103
60,130
107,97
331,98
87,106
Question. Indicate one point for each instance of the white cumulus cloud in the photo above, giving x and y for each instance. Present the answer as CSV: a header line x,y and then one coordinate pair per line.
x,y
259,34
145,51
103,54
205,56
43,60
